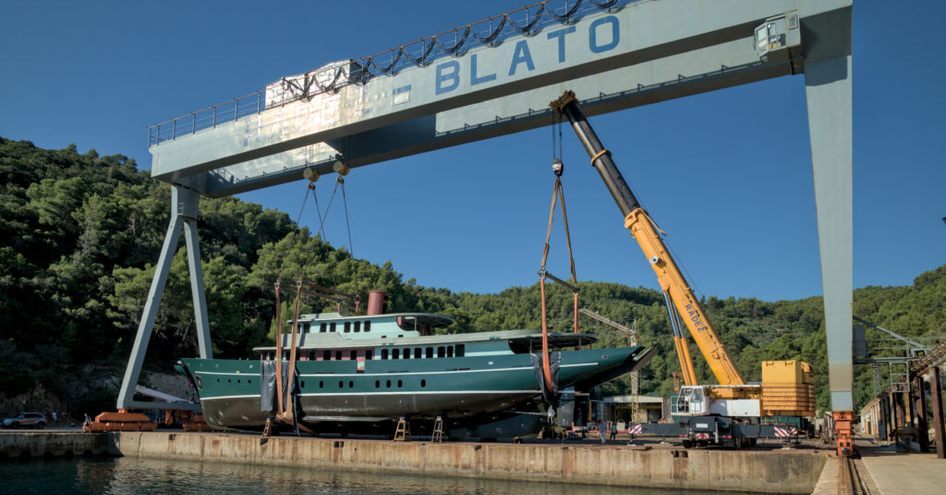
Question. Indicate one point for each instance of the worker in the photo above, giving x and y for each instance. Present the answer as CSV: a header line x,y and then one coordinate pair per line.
x,y
613,425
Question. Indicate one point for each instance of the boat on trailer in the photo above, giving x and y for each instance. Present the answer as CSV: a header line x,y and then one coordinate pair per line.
x,y
355,373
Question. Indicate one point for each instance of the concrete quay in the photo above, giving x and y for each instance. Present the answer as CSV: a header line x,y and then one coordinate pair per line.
x,y
775,471
904,472
42,443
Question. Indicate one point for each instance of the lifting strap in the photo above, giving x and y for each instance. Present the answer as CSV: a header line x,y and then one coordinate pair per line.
x,y
285,389
289,411
279,394
558,194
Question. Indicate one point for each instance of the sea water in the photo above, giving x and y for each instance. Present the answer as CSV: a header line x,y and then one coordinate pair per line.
x,y
133,476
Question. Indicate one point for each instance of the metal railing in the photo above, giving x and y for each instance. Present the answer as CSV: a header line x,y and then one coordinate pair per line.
x,y
525,21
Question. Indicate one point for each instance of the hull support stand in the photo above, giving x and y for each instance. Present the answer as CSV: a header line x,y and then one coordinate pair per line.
x,y
437,436
403,431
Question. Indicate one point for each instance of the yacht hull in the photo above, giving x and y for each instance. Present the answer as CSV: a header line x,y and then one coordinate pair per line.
x,y
464,391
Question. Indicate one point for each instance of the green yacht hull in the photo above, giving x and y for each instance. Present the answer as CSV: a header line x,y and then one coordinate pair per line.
x,y
457,389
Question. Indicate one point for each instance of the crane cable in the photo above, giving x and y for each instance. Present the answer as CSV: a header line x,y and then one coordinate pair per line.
x,y
558,193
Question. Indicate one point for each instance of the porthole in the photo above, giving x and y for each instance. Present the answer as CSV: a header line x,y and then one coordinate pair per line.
x,y
341,384
400,384
321,384
388,383
377,384
423,383
303,384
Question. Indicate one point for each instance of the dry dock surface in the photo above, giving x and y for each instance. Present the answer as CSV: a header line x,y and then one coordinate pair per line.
x,y
774,471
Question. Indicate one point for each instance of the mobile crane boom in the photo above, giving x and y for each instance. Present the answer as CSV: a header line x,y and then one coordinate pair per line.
x,y
680,298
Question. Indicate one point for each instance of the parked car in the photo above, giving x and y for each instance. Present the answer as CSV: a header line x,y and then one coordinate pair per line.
x,y
26,420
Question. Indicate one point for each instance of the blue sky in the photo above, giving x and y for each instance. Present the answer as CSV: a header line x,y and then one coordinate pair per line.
x,y
735,195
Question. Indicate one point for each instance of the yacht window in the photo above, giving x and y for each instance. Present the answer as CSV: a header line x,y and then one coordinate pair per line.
x,y
369,354
357,326
347,326
388,383
441,351
377,384
384,353
353,355
322,327
418,353
326,355
450,351
331,327
423,383
461,350
396,354
407,353
430,352
400,384
305,326
338,355
311,355
368,325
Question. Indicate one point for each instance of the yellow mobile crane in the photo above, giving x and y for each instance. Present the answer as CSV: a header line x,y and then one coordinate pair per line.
x,y
731,412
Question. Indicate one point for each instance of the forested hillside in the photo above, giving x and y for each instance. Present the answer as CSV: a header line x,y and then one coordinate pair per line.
x,y
79,234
